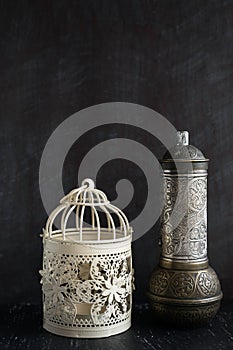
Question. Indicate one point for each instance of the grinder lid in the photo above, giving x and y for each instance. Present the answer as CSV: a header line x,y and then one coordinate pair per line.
x,y
183,151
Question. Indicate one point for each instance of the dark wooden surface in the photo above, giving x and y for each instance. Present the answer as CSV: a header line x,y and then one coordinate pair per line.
x,y
21,328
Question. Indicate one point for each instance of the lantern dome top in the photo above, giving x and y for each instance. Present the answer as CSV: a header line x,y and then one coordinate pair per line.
x,y
86,215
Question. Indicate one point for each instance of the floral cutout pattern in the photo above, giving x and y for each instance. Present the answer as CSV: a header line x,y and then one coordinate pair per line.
x,y
101,287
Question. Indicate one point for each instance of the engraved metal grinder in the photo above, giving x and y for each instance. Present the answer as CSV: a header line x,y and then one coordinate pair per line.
x,y
184,290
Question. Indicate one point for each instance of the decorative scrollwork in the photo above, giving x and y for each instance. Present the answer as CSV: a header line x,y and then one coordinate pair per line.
x,y
207,283
182,284
159,282
185,316
188,238
186,284
197,194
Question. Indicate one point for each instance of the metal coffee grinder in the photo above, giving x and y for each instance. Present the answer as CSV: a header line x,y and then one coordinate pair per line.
x,y
184,290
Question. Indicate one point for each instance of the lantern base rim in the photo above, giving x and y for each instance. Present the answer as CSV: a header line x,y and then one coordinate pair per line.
x,y
98,332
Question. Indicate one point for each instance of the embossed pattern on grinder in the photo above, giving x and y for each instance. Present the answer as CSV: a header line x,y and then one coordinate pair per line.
x,y
184,289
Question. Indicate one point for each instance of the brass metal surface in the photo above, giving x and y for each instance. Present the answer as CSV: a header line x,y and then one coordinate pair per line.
x,y
184,289
183,265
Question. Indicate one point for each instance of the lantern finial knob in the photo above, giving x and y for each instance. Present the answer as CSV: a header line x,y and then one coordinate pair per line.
x,y
88,183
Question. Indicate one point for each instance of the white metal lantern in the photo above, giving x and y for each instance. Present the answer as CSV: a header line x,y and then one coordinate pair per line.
x,y
87,270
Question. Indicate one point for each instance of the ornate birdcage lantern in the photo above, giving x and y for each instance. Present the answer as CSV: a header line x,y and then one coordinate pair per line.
x,y
87,268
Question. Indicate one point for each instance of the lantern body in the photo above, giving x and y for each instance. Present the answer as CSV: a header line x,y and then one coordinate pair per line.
x,y
87,271
184,289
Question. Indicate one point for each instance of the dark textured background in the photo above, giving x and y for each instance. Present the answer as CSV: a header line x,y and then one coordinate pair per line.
x,y
57,57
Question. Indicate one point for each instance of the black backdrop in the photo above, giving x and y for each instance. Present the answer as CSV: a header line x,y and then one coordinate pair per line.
x,y
58,57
